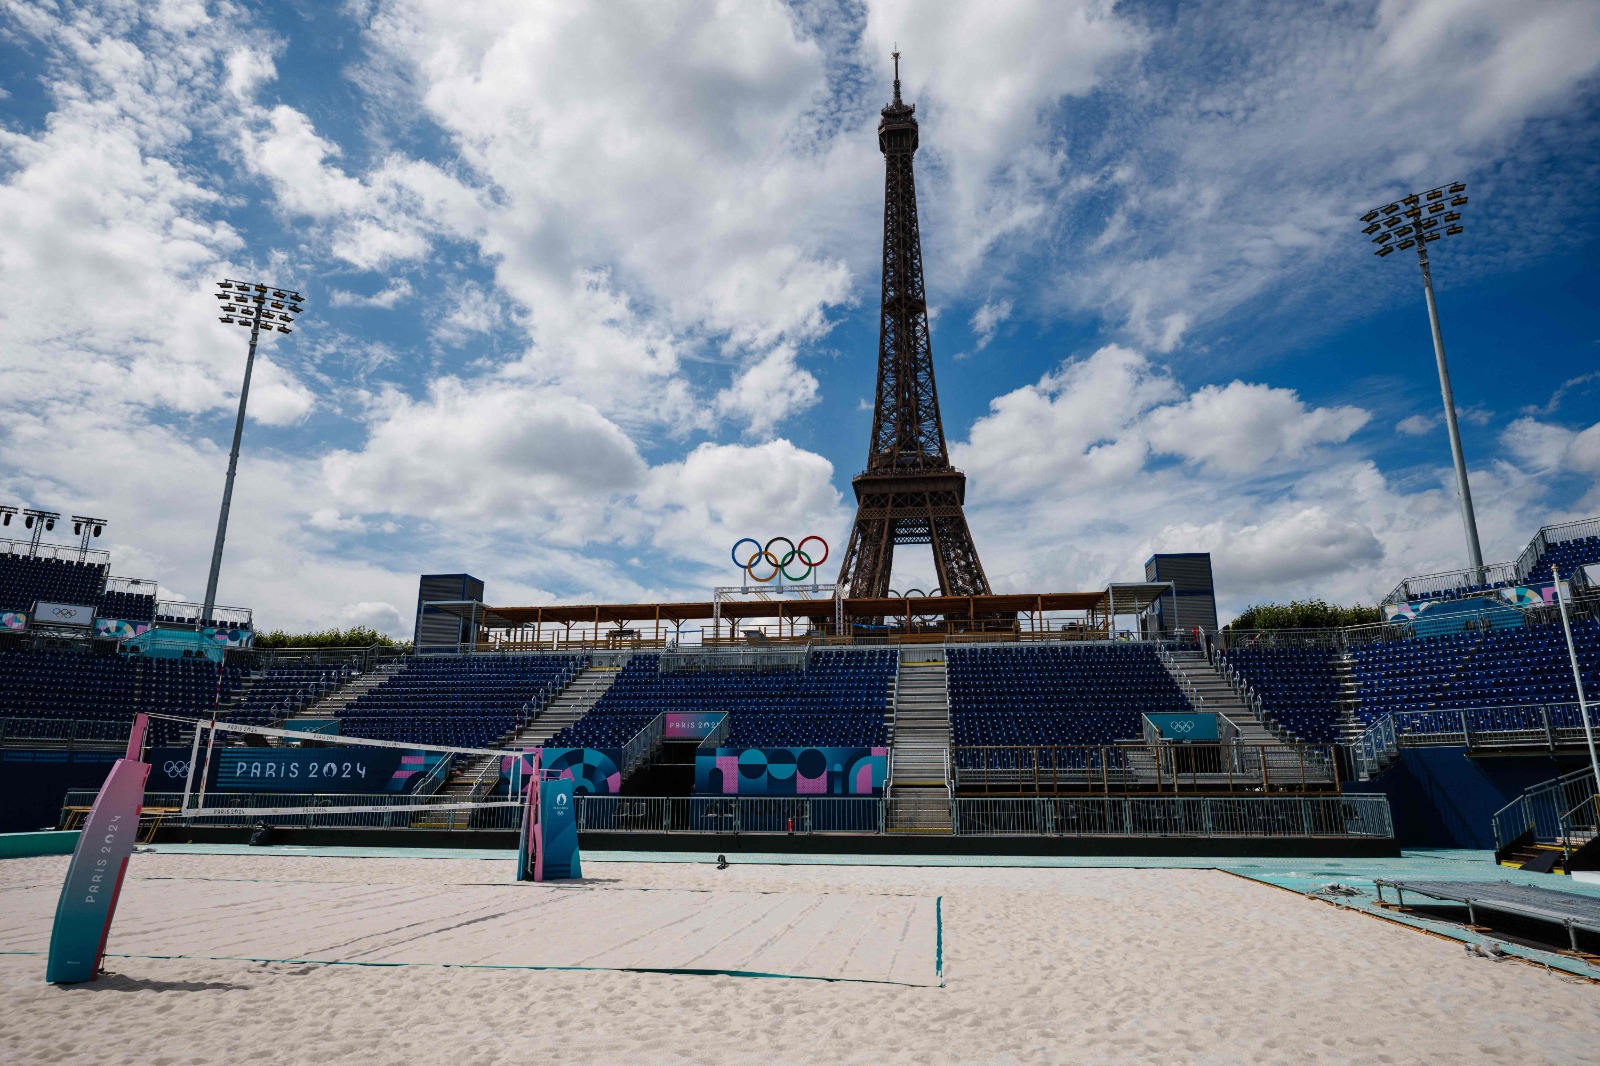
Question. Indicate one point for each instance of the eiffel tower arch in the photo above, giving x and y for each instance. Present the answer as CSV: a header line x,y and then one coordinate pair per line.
x,y
909,492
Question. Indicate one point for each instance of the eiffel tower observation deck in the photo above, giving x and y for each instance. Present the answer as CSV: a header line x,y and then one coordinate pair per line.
x,y
909,492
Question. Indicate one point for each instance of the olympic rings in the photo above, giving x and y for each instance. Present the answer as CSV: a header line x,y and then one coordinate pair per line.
x,y
779,559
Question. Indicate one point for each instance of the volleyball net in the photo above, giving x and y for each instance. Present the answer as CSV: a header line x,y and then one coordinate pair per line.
x,y
262,773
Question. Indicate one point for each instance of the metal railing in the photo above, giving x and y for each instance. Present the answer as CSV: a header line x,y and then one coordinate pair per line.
x,y
44,550
1202,816
1544,725
1184,684
97,731
1546,810
1509,573
730,814
432,781
1130,768
1375,748
643,743
1188,816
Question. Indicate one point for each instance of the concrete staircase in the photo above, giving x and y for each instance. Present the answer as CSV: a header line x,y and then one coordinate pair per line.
x,y
919,739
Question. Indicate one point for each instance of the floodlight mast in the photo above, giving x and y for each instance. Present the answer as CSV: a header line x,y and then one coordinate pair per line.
x,y
1415,220
256,306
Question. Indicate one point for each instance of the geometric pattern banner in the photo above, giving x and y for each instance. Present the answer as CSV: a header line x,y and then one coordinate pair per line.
x,y
791,771
116,629
594,770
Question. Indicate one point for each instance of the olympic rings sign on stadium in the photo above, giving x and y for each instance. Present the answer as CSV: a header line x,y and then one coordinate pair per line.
x,y
780,559
174,768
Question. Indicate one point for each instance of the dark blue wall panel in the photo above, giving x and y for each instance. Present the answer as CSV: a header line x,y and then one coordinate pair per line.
x,y
1440,798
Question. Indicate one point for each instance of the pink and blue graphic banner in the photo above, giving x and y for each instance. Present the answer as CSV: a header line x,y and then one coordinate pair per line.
x,y
94,877
117,629
791,771
13,621
593,770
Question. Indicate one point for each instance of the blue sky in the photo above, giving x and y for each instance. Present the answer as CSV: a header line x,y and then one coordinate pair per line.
x,y
592,289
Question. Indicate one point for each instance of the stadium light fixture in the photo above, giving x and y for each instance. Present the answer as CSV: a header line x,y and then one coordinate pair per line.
x,y
5,515
40,522
87,527
259,308
1420,233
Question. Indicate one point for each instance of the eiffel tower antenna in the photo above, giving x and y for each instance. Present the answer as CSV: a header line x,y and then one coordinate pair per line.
x,y
909,492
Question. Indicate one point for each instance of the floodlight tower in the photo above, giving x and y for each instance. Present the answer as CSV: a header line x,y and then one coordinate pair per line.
x,y
39,522
87,528
258,308
1416,221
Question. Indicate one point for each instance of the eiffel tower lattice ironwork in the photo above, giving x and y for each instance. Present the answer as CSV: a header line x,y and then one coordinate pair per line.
x,y
909,493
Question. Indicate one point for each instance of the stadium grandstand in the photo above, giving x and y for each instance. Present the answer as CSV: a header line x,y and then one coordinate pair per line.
x,y
951,715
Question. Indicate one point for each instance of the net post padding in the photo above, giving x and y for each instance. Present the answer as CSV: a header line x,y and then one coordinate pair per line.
x,y
328,803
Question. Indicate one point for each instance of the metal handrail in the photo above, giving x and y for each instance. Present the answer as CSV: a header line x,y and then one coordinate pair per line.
x,y
1177,674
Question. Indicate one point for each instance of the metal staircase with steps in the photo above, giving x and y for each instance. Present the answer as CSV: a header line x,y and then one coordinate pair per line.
x,y
570,704
919,799
477,776
1213,692
334,704
1350,726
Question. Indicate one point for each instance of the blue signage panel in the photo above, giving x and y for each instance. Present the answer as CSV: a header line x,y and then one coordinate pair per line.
x,y
1185,725
558,825
341,769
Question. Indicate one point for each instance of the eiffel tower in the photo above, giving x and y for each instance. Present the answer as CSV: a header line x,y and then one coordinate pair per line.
x,y
909,493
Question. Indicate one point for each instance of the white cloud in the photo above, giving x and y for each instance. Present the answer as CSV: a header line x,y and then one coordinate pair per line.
x,y
1096,421
386,298
1547,447
1416,425
721,492
493,454
1221,180
1071,486
768,391
1240,428
987,318
984,77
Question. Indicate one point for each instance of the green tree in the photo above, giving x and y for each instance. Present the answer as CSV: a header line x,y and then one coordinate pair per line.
x,y
1305,614
359,637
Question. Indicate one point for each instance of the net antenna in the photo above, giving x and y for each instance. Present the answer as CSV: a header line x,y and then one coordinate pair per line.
x,y
332,785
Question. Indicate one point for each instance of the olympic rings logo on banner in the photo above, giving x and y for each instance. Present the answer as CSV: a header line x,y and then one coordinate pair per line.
x,y
779,560
173,768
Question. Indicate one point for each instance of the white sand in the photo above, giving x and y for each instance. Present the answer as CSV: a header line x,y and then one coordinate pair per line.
x,y
1041,966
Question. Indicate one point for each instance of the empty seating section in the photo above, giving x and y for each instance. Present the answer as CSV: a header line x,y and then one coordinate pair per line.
x,y
1299,687
838,700
127,606
1493,678
106,690
1047,695
284,688
1569,555
466,702
25,579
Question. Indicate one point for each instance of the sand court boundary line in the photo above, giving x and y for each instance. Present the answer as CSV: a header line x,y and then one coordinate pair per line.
x,y
681,971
